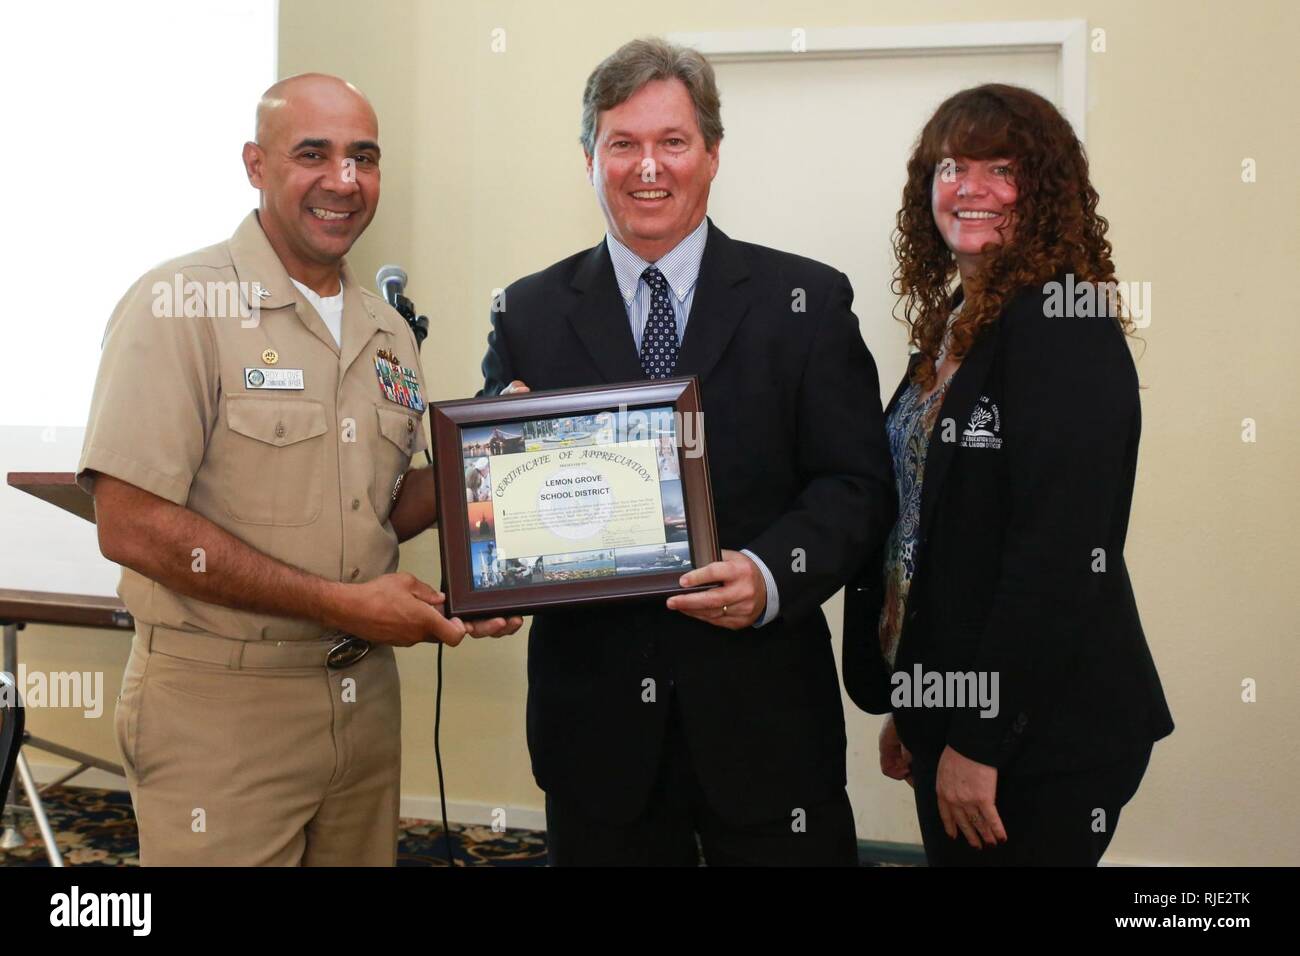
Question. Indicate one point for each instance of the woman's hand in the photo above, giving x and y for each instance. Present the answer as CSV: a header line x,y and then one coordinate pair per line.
x,y
895,759
967,791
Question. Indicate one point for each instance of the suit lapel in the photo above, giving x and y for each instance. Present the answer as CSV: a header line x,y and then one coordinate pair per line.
x,y
717,308
967,385
600,319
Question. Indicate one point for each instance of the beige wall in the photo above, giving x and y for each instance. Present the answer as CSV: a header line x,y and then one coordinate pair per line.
x,y
483,183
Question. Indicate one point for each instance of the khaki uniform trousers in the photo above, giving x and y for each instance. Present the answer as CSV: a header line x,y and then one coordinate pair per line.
x,y
243,753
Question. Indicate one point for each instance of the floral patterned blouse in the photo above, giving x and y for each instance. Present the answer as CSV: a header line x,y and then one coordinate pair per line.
x,y
909,426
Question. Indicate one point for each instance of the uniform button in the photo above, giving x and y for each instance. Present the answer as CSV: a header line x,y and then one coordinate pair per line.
x,y
355,572
410,425
356,503
279,429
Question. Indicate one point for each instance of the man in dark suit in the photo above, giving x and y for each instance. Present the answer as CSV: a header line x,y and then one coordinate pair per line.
x,y
742,745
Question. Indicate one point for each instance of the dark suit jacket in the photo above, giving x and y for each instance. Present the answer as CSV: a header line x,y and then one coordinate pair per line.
x,y
1008,576
798,461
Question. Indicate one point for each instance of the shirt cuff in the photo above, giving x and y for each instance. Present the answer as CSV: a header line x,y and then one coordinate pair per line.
x,y
773,599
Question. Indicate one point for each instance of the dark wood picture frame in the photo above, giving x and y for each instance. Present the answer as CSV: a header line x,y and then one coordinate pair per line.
x,y
447,420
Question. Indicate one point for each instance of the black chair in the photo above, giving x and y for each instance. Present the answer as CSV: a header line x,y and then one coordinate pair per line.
x,y
11,733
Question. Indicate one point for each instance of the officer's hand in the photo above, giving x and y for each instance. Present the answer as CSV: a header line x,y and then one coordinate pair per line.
x,y
493,627
398,609
515,388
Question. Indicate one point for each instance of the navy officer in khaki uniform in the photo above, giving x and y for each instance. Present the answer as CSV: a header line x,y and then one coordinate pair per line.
x,y
248,447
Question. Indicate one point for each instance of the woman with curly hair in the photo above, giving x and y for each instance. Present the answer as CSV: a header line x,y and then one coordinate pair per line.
x,y
1003,633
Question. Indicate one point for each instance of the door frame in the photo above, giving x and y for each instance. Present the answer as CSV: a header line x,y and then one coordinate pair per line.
x,y
1067,38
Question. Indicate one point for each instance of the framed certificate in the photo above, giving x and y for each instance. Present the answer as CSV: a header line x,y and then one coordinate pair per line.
x,y
578,496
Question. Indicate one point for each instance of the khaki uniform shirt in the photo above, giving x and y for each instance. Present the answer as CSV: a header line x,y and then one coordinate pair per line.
x,y
304,475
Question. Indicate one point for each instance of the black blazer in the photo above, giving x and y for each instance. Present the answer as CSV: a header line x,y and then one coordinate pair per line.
x,y
798,460
1013,533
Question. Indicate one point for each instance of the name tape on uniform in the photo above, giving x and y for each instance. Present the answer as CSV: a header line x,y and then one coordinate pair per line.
x,y
273,378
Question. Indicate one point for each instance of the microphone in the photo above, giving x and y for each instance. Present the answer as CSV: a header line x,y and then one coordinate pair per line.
x,y
391,282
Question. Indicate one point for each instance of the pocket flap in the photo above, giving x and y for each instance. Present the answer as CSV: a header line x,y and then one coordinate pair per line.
x,y
277,422
403,429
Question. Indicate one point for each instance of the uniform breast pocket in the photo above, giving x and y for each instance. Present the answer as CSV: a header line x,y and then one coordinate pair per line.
x,y
274,461
403,436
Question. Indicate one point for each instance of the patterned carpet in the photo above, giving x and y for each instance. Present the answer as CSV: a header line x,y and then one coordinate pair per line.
x,y
96,828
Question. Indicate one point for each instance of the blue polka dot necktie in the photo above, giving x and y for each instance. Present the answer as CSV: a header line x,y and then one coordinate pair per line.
x,y
659,337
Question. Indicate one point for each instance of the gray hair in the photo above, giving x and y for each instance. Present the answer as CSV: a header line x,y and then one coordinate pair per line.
x,y
639,62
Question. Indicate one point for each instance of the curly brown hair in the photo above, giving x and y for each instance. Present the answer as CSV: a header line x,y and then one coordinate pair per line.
x,y
1056,225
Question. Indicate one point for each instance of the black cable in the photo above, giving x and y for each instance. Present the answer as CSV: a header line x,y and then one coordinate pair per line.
x,y
420,329
437,726
437,712
437,756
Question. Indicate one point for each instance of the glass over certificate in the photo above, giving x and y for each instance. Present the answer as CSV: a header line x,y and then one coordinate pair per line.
x,y
570,497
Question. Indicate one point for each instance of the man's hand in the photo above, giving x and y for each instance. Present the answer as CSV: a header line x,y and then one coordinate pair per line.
x,y
895,759
967,791
515,388
493,627
738,603
397,609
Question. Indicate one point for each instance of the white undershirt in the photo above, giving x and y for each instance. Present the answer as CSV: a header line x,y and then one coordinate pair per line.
x,y
330,309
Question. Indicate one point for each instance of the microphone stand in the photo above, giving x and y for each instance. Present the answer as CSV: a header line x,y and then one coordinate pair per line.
x,y
420,327
419,323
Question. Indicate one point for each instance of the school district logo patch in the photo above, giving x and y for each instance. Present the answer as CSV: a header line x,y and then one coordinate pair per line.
x,y
982,431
